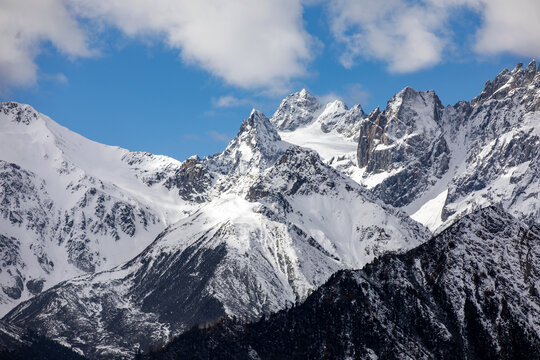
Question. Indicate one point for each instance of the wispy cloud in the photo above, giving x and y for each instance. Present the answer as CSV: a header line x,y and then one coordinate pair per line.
x,y
58,77
227,101
211,135
357,94
329,97
217,136
351,94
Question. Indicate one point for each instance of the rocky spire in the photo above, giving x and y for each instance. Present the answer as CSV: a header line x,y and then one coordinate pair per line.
x,y
405,138
506,81
256,146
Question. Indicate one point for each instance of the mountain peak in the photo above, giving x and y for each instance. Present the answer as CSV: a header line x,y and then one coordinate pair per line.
x,y
256,113
257,125
296,110
304,93
519,67
256,146
414,105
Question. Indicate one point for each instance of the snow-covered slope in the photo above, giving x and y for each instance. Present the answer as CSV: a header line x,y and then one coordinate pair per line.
x,y
332,131
69,205
276,222
469,293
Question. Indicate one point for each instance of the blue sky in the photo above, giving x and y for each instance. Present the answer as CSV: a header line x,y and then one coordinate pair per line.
x,y
175,83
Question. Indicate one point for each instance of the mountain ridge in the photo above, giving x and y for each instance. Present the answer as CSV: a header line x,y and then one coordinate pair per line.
x,y
414,304
256,228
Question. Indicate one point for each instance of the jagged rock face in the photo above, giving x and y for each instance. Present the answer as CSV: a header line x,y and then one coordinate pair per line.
x,y
296,110
503,148
27,210
404,145
243,254
192,180
22,114
256,147
505,82
471,292
438,163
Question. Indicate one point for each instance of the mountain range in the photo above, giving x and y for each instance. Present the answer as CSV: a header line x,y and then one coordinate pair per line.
x,y
109,251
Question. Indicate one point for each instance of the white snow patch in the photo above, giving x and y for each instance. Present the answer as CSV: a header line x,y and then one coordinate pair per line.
x,y
430,213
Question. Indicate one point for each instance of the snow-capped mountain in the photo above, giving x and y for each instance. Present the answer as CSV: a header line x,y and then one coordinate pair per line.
x,y
501,137
276,222
116,250
70,206
469,293
436,163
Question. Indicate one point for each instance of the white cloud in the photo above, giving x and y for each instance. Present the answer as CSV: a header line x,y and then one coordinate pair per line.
x,y
58,78
510,26
329,97
247,43
262,44
229,101
411,35
24,26
406,36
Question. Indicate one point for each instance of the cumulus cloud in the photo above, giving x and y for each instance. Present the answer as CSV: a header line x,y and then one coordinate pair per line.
x,y
510,26
27,24
247,43
250,44
410,35
402,34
